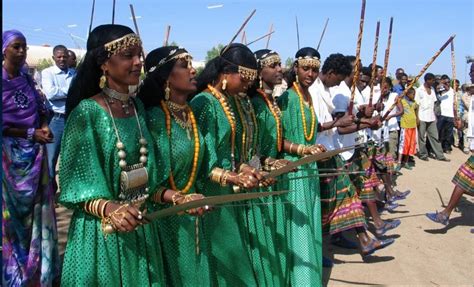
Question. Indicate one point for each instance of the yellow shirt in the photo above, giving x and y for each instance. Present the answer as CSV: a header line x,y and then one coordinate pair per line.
x,y
408,119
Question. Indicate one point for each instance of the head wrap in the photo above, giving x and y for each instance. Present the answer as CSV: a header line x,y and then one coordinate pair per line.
x,y
9,36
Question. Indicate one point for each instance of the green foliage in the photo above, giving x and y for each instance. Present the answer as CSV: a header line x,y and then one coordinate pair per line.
x,y
199,70
214,52
288,62
43,64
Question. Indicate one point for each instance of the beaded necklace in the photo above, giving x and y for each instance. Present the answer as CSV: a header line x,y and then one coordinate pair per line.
x,y
313,117
185,124
249,127
230,118
276,112
192,177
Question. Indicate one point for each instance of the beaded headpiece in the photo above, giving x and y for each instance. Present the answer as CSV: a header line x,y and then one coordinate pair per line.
x,y
309,61
247,74
175,54
118,45
268,59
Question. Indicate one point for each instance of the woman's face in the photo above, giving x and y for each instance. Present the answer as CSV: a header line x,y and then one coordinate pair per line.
x,y
272,74
124,68
182,78
237,84
306,75
15,53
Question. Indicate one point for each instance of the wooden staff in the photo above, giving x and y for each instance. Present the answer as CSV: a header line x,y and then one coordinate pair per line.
x,y
269,36
357,64
387,50
374,64
244,38
132,11
322,34
457,121
423,70
260,38
297,33
113,12
240,30
167,35
92,16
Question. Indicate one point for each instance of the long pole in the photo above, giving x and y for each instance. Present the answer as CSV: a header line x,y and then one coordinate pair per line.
x,y
269,36
134,20
167,35
297,33
423,70
113,12
357,64
322,34
374,64
244,38
455,86
238,31
92,16
260,38
387,50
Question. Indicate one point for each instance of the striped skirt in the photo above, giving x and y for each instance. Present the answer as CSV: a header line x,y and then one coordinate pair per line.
x,y
364,183
341,207
464,177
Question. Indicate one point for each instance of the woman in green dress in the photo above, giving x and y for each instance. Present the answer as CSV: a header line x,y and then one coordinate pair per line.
x,y
108,173
170,80
303,210
223,78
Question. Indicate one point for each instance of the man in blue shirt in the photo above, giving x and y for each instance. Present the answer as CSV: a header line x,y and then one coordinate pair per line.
x,y
402,83
55,81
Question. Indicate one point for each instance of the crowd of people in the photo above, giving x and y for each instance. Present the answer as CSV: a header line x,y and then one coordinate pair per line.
x,y
125,148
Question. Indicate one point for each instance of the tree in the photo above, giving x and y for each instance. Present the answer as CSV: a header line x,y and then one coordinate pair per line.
x,y
214,52
289,62
43,64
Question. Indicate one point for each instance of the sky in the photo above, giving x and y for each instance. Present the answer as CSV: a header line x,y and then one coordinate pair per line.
x,y
419,30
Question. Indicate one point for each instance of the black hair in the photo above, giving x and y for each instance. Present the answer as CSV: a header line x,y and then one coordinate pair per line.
x,y
59,48
71,52
429,76
338,63
445,77
152,90
366,71
303,52
403,75
388,81
86,82
411,89
235,55
351,58
258,55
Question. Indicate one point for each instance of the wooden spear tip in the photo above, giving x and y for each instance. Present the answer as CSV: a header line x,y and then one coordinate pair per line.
x,y
363,9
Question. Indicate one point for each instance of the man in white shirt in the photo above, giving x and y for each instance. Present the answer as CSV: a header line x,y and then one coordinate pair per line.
x,y
55,81
445,123
425,97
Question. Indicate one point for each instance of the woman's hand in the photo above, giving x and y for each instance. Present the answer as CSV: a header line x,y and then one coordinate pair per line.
x,y
42,136
244,179
315,149
184,198
124,218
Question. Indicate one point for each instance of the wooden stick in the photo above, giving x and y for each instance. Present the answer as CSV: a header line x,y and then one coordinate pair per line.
x,y
423,70
113,12
238,32
374,64
244,38
357,64
269,36
134,20
387,50
92,16
167,35
260,38
297,33
453,66
322,34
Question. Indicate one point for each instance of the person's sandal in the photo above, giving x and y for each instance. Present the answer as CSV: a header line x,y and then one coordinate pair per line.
x,y
387,226
438,217
372,246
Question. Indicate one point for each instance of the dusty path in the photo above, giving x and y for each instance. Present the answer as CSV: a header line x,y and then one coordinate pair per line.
x,y
424,253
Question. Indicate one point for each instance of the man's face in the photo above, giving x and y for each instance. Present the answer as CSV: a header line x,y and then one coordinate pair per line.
x,y
60,57
430,82
398,73
71,62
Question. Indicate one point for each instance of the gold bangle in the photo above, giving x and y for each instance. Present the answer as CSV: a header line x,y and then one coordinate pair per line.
x,y
96,207
102,211
158,196
224,178
216,174
291,148
300,150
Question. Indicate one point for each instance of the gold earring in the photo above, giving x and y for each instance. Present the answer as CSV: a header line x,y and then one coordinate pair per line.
x,y
261,83
297,80
224,84
102,81
167,91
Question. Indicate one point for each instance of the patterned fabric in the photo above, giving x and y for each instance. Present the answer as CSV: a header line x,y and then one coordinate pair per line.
x,y
383,160
340,205
464,177
408,138
267,229
221,227
89,170
183,267
364,183
303,205
29,235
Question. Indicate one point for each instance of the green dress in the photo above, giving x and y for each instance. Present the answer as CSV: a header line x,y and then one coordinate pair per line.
x,y
229,261
303,212
89,170
183,267
267,227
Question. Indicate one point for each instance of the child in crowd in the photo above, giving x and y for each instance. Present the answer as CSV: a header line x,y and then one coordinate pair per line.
x,y
408,123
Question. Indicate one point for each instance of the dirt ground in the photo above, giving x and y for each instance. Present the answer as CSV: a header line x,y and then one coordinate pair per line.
x,y
424,253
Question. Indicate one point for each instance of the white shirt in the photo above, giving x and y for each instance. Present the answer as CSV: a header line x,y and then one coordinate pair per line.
x,y
374,134
392,124
425,103
447,103
322,103
55,83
